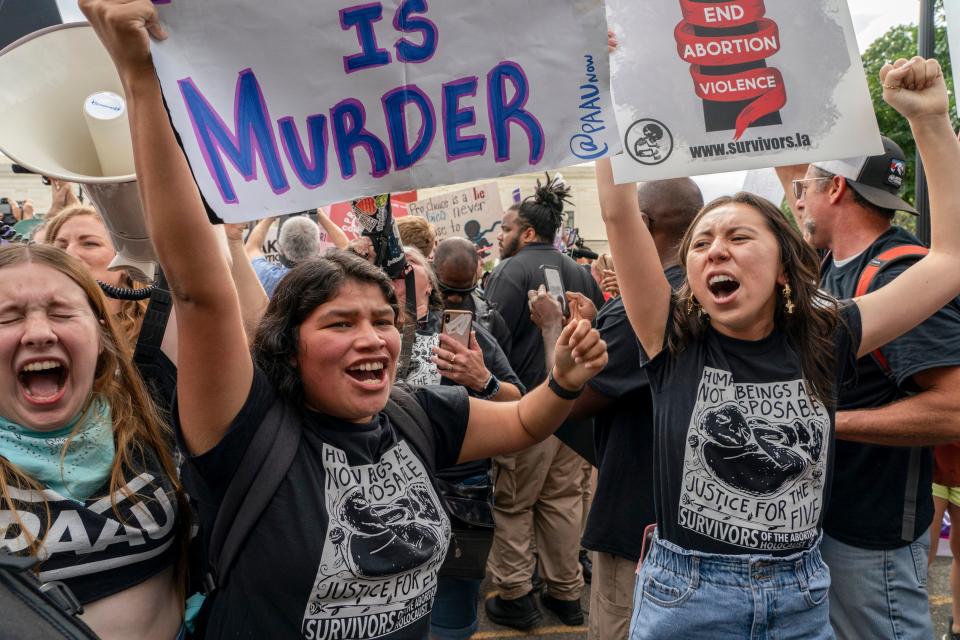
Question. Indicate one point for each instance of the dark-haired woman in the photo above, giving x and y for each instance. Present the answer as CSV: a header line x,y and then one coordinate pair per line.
x,y
745,363
87,485
350,543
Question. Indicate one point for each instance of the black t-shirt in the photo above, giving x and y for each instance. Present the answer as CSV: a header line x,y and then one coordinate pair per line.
x,y
743,454
507,290
867,504
350,545
623,437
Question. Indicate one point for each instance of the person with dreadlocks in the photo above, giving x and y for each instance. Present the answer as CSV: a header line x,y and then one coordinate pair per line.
x,y
537,490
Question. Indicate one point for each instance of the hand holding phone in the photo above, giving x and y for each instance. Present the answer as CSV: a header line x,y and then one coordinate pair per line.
x,y
554,284
458,324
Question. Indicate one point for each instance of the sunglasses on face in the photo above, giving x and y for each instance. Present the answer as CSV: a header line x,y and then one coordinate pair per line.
x,y
800,186
447,290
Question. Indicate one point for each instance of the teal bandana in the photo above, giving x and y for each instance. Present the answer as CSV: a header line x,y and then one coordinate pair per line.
x,y
86,465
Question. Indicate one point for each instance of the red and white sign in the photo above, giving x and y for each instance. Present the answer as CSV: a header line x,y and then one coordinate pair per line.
x,y
737,84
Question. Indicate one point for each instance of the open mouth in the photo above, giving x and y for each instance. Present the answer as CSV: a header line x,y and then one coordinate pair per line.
x,y
369,373
722,286
43,381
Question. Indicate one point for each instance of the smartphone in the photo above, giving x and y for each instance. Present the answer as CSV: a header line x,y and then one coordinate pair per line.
x,y
458,325
554,284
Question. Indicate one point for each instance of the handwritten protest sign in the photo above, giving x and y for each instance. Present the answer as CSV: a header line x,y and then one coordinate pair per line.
x,y
952,10
710,86
288,105
472,213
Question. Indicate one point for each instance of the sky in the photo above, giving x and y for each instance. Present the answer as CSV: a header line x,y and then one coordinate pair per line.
x,y
871,18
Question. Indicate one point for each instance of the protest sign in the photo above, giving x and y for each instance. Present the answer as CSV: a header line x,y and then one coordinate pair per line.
x,y
473,213
287,105
342,214
711,86
952,10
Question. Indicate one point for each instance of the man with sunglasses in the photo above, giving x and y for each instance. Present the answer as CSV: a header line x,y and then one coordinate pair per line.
x,y
904,400
455,263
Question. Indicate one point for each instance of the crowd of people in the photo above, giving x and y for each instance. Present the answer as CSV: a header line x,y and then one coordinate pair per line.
x,y
739,424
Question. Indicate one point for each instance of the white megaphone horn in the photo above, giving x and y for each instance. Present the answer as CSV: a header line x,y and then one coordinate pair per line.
x,y
63,115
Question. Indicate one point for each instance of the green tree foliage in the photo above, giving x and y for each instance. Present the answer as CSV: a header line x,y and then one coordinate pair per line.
x,y
901,42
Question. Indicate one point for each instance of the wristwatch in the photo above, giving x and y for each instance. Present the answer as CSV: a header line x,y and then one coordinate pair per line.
x,y
491,389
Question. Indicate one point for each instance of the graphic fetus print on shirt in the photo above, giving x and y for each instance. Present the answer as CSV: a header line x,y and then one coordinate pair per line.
x,y
755,463
386,539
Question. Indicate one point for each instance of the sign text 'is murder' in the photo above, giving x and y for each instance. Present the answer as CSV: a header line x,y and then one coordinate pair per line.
x,y
446,115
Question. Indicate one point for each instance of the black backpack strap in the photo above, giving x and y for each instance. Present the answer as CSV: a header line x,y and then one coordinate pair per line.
x,y
262,468
411,420
158,373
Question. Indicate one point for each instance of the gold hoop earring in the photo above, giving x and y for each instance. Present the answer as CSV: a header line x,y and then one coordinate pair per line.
x,y
692,305
788,302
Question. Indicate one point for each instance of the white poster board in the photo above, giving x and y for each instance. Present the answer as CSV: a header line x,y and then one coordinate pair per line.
x,y
286,105
718,86
952,10
473,213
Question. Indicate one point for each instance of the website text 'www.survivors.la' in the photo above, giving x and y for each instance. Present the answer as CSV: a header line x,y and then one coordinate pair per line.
x,y
754,145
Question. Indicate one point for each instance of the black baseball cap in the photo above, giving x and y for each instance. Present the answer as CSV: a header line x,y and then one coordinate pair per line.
x,y
877,178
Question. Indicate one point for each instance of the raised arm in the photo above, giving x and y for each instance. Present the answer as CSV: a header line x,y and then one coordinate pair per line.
x,y
916,89
253,299
256,238
334,233
786,175
209,326
643,287
495,428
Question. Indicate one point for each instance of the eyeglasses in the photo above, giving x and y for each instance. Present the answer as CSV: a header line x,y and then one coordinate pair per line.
x,y
800,186
446,290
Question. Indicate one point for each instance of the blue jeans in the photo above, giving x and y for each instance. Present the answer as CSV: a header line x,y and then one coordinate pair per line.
x,y
454,615
689,594
879,594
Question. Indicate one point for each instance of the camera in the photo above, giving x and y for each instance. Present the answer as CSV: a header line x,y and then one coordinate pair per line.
x,y
376,218
6,212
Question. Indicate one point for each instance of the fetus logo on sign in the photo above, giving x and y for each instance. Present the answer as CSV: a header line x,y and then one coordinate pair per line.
x,y
648,141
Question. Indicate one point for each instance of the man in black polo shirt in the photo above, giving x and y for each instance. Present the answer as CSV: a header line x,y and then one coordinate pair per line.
x,y
538,491
619,398
875,528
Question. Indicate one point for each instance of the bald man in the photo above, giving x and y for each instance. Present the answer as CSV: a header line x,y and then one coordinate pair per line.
x,y
455,263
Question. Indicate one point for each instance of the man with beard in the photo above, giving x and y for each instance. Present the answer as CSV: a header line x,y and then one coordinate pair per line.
x,y
905,399
538,492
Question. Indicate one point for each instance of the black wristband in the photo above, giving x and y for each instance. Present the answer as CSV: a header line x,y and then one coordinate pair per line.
x,y
491,389
566,394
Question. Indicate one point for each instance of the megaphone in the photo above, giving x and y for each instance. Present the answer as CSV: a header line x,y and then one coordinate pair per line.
x,y
63,115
